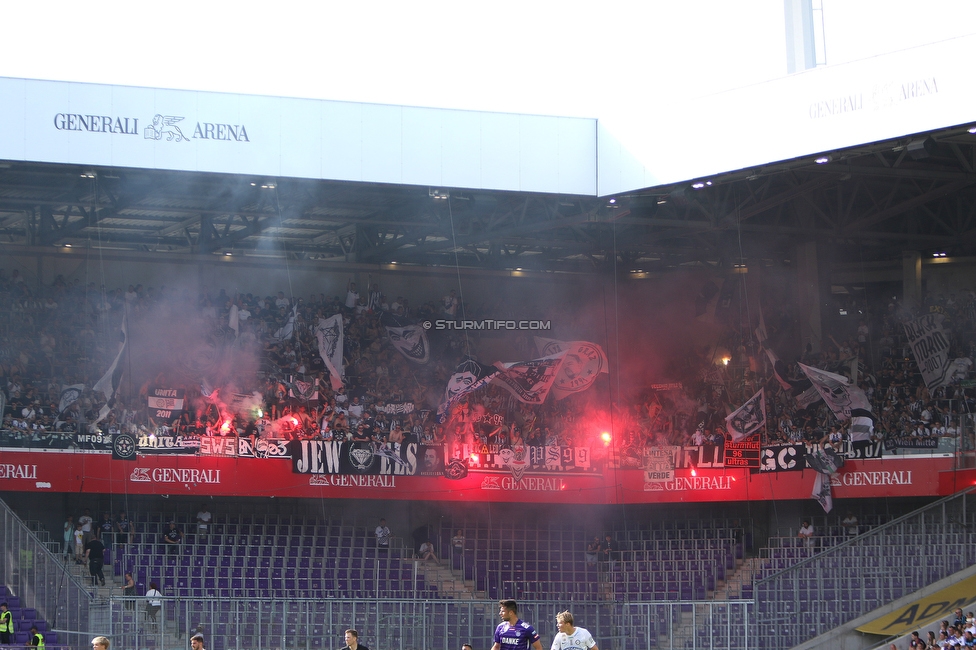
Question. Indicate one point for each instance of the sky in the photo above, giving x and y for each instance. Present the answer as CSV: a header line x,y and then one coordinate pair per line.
x,y
566,58
616,61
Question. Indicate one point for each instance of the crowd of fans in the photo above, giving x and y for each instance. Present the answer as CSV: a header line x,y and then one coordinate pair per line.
x,y
66,334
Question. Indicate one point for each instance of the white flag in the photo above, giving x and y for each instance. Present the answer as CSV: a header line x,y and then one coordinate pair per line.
x,y
328,332
584,361
109,383
233,320
286,331
748,418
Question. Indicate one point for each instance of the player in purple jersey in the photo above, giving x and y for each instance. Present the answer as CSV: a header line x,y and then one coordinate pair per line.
x,y
513,633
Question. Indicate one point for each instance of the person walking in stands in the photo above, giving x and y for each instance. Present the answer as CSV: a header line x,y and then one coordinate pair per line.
x,y
571,637
6,624
155,603
352,641
36,639
513,633
95,554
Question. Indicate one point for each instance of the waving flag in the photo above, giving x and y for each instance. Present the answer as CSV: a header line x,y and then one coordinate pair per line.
x,y
328,332
468,377
748,418
529,381
583,363
410,341
109,383
69,395
848,402
286,331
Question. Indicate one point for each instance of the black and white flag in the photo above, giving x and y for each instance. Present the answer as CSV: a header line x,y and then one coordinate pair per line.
x,y
109,383
69,395
468,377
843,398
286,331
583,363
802,391
930,345
306,391
826,462
328,332
530,381
748,418
410,341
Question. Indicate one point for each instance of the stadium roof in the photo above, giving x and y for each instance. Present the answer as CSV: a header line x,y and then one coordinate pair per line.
x,y
208,173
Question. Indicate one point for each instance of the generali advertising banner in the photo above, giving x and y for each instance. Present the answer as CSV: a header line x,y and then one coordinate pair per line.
x,y
262,476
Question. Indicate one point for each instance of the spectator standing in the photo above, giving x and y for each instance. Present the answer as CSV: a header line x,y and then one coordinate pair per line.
x,y
607,548
850,523
593,550
105,529
383,535
352,296
124,529
806,534
172,538
69,536
129,590
203,521
457,542
79,537
86,521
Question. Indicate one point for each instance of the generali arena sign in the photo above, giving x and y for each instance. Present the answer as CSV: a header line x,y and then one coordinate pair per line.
x,y
28,471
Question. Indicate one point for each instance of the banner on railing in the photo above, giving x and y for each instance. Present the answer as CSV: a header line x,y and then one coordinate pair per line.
x,y
531,459
783,458
912,443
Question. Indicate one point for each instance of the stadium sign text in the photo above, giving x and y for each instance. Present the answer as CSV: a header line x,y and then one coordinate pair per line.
x,y
161,127
96,123
858,479
8,470
353,480
173,475
683,483
531,483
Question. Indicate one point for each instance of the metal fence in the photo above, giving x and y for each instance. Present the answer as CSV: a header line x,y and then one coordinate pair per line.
x,y
42,581
853,578
308,624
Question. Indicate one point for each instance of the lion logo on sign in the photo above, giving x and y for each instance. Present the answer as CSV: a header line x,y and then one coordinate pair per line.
x,y
164,125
